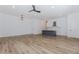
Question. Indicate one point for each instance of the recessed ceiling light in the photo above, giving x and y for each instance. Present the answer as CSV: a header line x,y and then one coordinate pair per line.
x,y
52,6
13,6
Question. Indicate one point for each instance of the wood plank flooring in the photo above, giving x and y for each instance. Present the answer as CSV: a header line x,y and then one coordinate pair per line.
x,y
38,44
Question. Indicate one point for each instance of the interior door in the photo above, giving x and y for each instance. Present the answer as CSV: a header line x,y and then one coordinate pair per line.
x,y
62,26
73,25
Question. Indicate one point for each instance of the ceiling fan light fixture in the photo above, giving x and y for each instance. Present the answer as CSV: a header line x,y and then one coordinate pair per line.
x,y
52,6
13,6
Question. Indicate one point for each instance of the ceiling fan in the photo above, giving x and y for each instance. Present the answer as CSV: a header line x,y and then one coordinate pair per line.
x,y
34,9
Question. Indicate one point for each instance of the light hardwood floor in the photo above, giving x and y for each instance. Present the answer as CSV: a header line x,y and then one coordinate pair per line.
x,y
38,45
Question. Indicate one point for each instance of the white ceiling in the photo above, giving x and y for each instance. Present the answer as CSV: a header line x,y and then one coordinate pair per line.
x,y
46,10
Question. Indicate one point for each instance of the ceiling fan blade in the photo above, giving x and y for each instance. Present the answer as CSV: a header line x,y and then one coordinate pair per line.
x,y
33,7
37,11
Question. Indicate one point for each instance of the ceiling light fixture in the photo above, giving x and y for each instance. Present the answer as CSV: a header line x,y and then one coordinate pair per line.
x,y
52,6
13,6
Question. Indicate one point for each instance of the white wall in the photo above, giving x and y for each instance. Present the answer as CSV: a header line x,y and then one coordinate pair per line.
x,y
50,24
12,25
61,27
68,25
